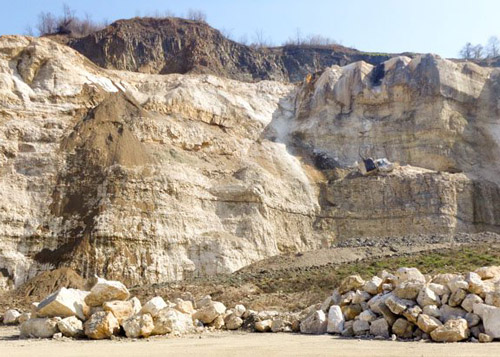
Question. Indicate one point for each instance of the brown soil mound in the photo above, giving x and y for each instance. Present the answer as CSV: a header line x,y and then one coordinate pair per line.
x,y
40,287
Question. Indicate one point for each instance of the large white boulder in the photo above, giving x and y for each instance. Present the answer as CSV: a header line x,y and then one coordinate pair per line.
x,y
154,306
350,283
428,323
209,312
170,320
379,327
452,331
491,318
233,322
409,274
42,327
335,320
315,324
141,325
122,310
11,317
64,303
101,325
71,327
106,290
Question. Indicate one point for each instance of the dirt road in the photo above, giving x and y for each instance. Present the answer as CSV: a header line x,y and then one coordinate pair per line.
x,y
238,344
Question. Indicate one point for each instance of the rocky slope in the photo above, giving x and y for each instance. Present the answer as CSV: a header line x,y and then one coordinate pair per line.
x,y
174,45
149,178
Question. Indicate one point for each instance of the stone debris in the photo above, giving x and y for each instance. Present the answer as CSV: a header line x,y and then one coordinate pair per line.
x,y
406,305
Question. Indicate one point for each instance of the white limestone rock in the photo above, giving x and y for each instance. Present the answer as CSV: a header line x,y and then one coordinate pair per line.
x,y
209,312
335,320
106,290
11,317
170,320
101,325
453,330
71,327
154,306
379,327
40,327
140,325
315,324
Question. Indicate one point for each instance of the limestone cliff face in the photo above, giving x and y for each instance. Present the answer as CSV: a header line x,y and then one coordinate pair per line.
x,y
148,178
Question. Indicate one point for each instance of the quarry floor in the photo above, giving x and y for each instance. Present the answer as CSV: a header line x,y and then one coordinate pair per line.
x,y
237,344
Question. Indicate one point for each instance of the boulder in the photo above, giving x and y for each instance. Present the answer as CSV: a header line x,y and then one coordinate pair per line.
x,y
263,325
380,328
397,305
346,298
412,313
315,324
154,306
452,331
11,317
360,327
375,302
360,296
458,283
325,306
491,319
41,327
122,310
239,310
233,322
439,289
25,316
209,312
469,301
485,338
335,320
444,279
101,325
217,323
106,290
64,303
200,303
71,327
403,328
476,285
170,320
493,298
488,272
409,274
472,319
281,325
140,325
136,305
367,316
427,296
186,307
457,297
408,289
448,312
388,315
371,286
428,323
432,310
351,311
351,282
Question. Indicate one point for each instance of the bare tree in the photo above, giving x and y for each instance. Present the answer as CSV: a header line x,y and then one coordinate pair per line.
x,y
478,51
196,15
47,23
467,51
493,47
260,39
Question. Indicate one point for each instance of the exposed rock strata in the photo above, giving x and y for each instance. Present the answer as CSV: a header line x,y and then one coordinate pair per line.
x,y
149,178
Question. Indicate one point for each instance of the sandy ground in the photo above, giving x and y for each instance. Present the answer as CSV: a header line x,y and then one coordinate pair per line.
x,y
237,344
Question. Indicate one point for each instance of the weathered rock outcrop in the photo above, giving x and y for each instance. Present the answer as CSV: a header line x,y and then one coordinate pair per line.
x,y
148,178
174,45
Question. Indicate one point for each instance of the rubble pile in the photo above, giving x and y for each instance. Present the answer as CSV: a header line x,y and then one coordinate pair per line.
x,y
406,305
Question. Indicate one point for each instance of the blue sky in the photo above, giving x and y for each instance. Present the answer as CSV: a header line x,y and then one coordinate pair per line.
x,y
437,26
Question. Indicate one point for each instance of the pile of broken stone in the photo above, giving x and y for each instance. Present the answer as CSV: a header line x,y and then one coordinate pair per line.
x,y
405,305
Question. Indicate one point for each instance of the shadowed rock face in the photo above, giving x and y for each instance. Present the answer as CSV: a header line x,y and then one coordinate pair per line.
x,y
174,45
147,178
